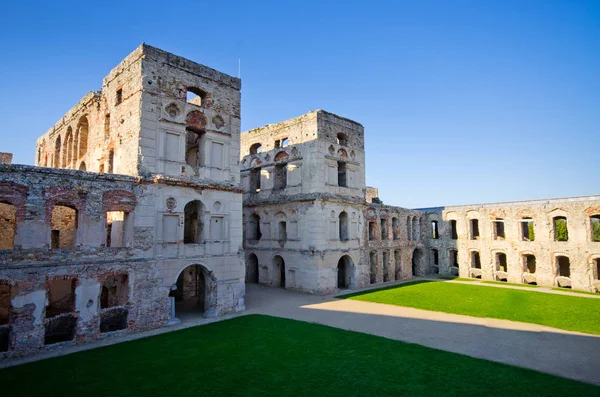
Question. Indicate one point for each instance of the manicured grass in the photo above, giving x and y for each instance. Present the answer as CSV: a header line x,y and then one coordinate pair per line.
x,y
571,313
513,284
268,356
576,291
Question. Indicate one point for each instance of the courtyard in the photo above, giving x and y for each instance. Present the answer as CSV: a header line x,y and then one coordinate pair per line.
x,y
262,355
568,312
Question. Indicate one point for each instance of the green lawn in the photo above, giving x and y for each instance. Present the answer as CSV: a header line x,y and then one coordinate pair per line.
x,y
571,313
512,284
267,356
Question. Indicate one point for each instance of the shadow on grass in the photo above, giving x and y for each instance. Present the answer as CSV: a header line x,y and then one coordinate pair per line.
x,y
403,285
575,291
511,284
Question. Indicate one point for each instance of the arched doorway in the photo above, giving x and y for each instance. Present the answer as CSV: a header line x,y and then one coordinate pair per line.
x,y
278,271
416,262
252,269
344,272
192,291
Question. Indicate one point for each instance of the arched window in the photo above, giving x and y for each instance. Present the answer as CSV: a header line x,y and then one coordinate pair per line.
x,y
82,134
395,228
68,149
193,225
342,140
255,148
343,224
254,228
57,146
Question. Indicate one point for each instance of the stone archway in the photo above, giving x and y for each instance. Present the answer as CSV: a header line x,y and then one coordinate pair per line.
x,y
194,291
344,272
278,271
417,257
252,275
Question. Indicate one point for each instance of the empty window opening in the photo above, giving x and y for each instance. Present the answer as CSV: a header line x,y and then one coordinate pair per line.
x,y
68,149
342,174
343,224
409,228
8,224
192,292
114,319
117,229
82,137
252,269
475,260
373,269
82,166
192,147
285,142
501,264
113,297
342,140
195,96
111,159
371,230
395,234
596,263
474,229
282,231
255,148
453,258
398,265
119,97
57,146
434,230
254,227
387,272
277,144
453,230
527,230
529,265
435,256
561,232
255,180
595,223
64,227
115,291
563,266
193,225
61,296
106,126
499,229
5,306
384,231
280,177
60,329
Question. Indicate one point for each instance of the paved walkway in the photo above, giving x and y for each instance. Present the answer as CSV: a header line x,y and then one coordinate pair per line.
x,y
563,353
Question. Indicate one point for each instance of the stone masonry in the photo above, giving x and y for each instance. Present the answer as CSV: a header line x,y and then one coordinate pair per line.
x,y
135,197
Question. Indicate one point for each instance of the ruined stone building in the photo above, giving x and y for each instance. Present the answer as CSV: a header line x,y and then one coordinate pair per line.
x,y
145,193
311,224
136,190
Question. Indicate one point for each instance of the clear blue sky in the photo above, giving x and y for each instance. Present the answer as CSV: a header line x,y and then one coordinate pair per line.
x,y
462,102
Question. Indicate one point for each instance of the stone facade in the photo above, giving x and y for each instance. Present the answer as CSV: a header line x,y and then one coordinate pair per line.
x,y
304,182
136,190
311,223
